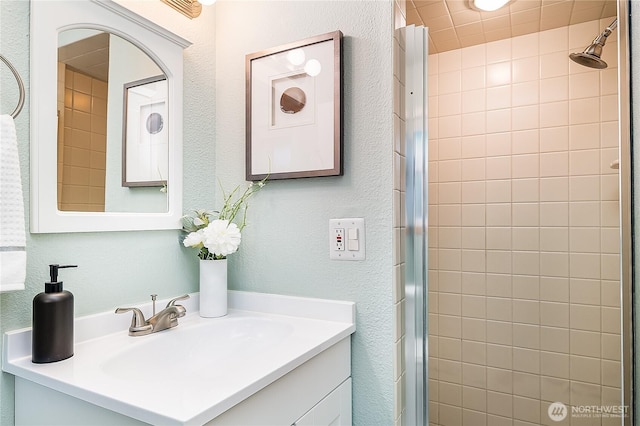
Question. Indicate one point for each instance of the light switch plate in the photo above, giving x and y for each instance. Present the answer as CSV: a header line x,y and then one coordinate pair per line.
x,y
347,239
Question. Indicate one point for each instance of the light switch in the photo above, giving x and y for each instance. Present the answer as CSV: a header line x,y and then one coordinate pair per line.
x,y
352,242
346,239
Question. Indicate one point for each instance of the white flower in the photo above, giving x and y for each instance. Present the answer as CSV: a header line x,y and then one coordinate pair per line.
x,y
221,237
193,239
215,239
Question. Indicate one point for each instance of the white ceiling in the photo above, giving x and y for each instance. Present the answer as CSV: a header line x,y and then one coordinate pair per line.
x,y
453,24
89,55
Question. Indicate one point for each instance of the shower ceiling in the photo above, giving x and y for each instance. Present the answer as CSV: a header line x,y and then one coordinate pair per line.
x,y
453,25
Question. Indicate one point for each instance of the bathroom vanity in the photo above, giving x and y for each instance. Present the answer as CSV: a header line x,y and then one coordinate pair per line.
x,y
273,360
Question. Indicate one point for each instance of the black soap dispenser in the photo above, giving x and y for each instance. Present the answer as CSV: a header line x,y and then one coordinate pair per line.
x,y
52,334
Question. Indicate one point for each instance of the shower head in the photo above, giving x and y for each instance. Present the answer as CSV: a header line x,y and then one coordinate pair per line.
x,y
588,60
590,57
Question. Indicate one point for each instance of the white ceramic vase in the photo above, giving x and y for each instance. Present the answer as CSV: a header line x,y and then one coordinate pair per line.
x,y
213,288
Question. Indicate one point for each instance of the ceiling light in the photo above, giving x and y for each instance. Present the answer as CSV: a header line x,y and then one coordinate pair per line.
x,y
488,5
189,8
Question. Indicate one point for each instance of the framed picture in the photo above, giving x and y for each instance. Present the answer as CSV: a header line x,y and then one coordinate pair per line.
x,y
145,147
294,125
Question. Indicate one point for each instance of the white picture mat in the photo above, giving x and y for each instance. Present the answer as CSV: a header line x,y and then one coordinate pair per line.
x,y
297,148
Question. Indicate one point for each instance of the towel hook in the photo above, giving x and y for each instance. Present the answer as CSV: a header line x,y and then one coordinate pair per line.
x,y
16,111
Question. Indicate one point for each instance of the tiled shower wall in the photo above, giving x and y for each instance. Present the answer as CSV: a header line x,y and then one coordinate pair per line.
x,y
82,141
524,281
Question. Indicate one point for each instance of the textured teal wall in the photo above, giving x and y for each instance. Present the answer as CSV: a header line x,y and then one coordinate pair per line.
x,y
285,245
115,268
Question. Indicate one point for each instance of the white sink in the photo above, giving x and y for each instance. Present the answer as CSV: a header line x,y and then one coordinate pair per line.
x,y
193,351
191,373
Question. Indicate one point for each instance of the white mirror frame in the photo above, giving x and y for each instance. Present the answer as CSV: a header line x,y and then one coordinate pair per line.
x,y
48,18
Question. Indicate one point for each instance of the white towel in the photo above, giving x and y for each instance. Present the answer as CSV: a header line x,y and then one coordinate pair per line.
x,y
13,254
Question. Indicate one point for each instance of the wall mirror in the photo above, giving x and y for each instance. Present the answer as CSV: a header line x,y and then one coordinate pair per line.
x,y
106,119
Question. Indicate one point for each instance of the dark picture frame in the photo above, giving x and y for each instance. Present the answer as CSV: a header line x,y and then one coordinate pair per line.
x,y
145,144
294,110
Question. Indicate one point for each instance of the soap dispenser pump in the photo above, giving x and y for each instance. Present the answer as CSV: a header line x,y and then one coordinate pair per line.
x,y
52,334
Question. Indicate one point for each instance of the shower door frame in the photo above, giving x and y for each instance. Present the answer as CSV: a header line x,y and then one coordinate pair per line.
x,y
415,283
626,210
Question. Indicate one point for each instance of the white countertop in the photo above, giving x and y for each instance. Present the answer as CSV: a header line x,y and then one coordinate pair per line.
x,y
191,373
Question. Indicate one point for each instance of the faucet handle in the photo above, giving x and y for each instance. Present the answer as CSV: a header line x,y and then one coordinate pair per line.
x,y
181,309
138,323
172,302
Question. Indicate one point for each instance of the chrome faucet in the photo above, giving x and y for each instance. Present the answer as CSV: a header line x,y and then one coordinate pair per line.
x,y
166,318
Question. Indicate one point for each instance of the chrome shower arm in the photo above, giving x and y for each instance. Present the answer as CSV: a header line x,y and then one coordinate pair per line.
x,y
602,38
